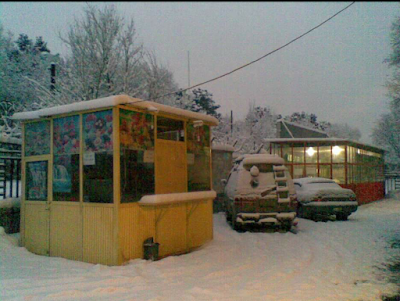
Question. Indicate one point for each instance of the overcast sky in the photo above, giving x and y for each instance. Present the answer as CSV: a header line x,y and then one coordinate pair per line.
x,y
336,72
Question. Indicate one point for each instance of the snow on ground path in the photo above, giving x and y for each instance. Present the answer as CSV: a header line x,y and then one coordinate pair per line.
x,y
323,261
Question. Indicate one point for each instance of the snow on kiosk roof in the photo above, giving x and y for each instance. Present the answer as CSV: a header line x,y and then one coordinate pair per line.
x,y
104,176
113,101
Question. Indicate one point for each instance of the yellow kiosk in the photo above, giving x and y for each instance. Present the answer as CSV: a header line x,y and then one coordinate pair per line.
x,y
101,177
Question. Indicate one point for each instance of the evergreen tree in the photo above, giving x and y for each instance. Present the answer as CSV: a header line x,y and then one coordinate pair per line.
x,y
202,101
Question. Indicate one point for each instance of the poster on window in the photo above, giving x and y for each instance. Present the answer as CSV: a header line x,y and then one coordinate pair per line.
x,y
66,135
37,138
62,169
198,138
36,180
136,130
98,130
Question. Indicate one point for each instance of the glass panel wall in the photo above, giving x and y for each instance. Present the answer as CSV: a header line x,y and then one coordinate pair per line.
x,y
198,157
287,153
338,173
170,129
311,154
324,154
36,181
37,138
98,157
298,171
66,150
325,171
137,155
311,170
298,154
338,154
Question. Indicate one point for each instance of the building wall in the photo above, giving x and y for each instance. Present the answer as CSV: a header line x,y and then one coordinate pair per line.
x,y
358,169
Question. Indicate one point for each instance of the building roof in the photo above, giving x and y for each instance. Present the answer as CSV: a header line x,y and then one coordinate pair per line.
x,y
331,140
302,126
112,101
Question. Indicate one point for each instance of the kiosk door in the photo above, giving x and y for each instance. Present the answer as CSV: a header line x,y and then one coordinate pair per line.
x,y
36,207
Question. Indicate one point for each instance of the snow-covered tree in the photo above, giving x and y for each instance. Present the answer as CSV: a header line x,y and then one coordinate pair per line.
x,y
106,59
306,119
343,131
386,132
24,70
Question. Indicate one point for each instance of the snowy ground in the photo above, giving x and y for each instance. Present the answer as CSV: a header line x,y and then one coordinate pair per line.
x,y
323,261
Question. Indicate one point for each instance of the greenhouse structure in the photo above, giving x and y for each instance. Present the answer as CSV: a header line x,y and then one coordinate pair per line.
x,y
351,164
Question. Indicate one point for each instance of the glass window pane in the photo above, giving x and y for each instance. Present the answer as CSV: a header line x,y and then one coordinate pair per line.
x,y
298,171
324,154
37,138
170,129
311,171
338,154
298,154
325,171
136,130
198,157
66,178
287,153
97,131
36,181
66,159
311,154
66,135
137,155
349,174
98,157
338,173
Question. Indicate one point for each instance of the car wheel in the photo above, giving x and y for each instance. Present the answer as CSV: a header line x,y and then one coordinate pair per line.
x,y
286,226
228,216
341,217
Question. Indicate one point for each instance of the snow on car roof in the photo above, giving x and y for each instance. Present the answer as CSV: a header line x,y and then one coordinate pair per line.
x,y
113,101
262,158
309,180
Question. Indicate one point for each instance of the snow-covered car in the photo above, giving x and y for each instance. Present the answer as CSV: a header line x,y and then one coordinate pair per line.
x,y
322,199
260,191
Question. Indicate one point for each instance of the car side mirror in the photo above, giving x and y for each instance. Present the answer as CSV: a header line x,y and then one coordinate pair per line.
x,y
224,181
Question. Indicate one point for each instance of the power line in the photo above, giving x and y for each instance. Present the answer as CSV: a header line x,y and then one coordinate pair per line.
x,y
264,56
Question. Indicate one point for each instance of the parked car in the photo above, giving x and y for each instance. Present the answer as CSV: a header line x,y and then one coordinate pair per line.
x,y
260,191
322,199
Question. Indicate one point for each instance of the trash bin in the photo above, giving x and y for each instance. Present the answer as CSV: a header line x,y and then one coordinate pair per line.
x,y
150,249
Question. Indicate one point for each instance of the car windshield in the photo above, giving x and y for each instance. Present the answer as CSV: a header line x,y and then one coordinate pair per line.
x,y
262,167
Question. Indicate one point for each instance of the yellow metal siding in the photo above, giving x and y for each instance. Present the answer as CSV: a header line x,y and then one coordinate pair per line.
x,y
170,166
146,226
37,227
66,230
98,233
200,223
128,231
171,229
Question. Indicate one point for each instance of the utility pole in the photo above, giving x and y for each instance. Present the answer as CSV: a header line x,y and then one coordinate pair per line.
x,y
188,69
231,123
52,77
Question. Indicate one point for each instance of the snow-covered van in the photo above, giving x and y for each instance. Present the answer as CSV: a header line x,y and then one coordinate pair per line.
x,y
260,191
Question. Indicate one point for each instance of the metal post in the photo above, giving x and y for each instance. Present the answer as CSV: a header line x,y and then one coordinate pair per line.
x,y
53,77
